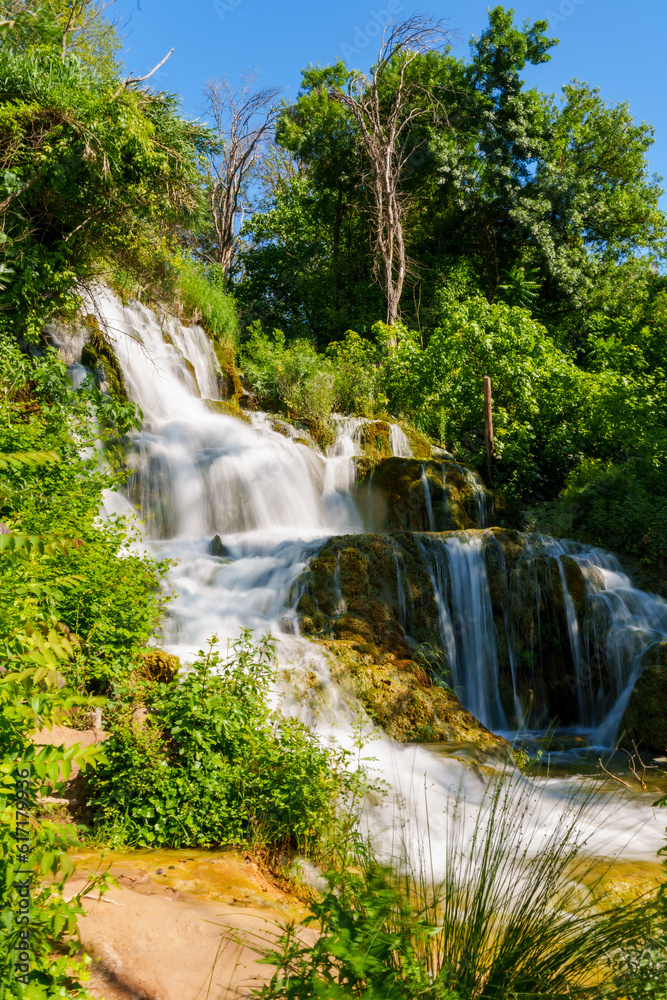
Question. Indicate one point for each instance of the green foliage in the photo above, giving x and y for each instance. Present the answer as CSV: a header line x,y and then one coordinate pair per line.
x,y
367,946
541,203
85,164
201,296
290,379
213,764
61,564
356,369
33,695
623,506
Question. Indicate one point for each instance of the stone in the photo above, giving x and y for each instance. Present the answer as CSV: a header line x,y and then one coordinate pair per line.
x,y
406,494
216,547
645,718
160,666
376,590
401,698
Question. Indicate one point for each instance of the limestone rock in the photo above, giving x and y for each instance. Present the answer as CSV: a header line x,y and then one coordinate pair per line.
x,y
405,494
378,590
216,547
402,699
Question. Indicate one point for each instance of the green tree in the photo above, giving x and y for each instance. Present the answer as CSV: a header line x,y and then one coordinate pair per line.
x,y
94,170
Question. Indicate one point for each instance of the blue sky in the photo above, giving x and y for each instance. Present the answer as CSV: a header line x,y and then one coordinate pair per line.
x,y
613,44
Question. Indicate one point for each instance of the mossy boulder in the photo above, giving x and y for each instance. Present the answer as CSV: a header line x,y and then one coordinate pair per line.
x,y
228,407
374,439
645,718
395,592
406,494
156,665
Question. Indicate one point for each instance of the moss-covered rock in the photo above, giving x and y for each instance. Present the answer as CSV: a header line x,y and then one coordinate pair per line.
x,y
406,494
645,718
228,407
394,592
156,665
98,355
401,698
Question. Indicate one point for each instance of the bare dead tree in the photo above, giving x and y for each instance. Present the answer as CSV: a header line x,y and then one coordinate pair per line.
x,y
383,126
244,119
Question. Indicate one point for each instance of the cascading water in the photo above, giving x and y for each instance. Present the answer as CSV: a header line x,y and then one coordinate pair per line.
x,y
271,501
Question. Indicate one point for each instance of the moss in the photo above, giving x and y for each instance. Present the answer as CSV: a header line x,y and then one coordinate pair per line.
x,y
98,355
645,718
375,441
157,665
400,697
420,445
402,483
575,582
228,407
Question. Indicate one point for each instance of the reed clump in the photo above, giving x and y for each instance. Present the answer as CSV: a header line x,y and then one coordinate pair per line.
x,y
502,910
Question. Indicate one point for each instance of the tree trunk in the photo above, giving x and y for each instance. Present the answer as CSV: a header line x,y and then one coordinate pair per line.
x,y
488,427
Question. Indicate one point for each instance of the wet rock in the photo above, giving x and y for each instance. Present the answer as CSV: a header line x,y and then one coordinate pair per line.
x,y
375,440
645,718
407,494
216,547
401,698
228,407
393,593
98,355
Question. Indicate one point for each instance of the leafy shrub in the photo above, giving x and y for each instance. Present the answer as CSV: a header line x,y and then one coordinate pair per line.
x,y
355,362
92,586
33,695
622,507
214,765
292,379
368,946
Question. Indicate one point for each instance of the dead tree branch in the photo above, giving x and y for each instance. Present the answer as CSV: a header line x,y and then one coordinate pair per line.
x,y
140,79
244,119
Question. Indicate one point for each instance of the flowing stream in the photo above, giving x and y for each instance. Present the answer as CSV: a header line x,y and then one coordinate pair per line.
x,y
271,500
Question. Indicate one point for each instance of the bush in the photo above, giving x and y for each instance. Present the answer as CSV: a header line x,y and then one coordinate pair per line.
x,y
213,764
92,586
292,379
622,507
356,368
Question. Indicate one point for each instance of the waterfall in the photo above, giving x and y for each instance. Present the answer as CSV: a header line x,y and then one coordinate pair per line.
x,y
272,500
458,576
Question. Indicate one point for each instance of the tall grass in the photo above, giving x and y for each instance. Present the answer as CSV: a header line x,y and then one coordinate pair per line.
x,y
505,919
203,300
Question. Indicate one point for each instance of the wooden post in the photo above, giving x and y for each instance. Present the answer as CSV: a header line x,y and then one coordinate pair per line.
x,y
488,426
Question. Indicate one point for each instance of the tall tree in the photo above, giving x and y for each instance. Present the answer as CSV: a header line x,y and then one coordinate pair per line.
x,y
384,127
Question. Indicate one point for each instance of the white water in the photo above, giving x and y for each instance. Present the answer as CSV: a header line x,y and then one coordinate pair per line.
x,y
272,500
